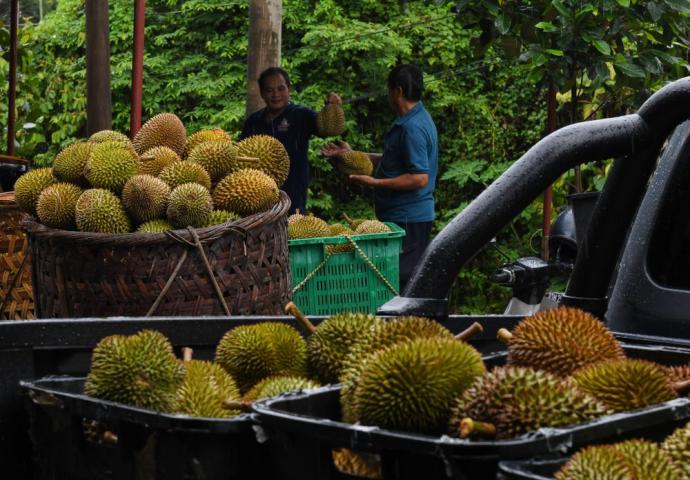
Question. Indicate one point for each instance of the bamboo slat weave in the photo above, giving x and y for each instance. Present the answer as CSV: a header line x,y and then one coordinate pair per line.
x,y
16,294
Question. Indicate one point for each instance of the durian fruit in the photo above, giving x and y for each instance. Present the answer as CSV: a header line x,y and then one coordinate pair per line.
x,y
154,160
57,204
633,459
354,162
204,390
353,222
110,165
178,173
411,385
382,334
267,154
678,373
162,130
109,136
357,464
251,353
560,341
221,216
371,226
625,384
337,229
190,205
139,370
217,158
145,198
29,186
510,401
99,210
308,226
70,163
274,386
207,135
246,192
677,447
155,226
330,121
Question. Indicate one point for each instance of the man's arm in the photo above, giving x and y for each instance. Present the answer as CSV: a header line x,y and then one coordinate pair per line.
x,y
406,181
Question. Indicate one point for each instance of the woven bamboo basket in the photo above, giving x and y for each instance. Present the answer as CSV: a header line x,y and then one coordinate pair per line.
x,y
16,294
235,268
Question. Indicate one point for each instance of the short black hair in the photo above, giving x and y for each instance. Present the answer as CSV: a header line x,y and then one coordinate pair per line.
x,y
271,71
409,78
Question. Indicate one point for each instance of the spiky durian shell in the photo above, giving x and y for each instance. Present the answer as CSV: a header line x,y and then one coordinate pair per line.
x,y
518,400
155,226
357,464
561,341
56,206
145,198
109,136
354,162
246,192
678,373
70,163
99,210
633,459
251,353
217,158
272,158
139,370
332,341
308,226
190,205
110,165
273,386
330,120
29,186
382,334
162,130
221,216
371,226
677,447
338,228
625,384
179,173
207,135
411,385
203,390
154,160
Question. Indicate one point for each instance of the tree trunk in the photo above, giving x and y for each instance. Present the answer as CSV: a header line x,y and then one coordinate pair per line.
x,y
265,22
98,101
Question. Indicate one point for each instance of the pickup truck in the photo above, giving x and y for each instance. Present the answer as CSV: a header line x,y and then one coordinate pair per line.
x,y
631,268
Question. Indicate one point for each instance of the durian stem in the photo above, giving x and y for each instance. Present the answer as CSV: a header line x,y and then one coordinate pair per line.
x,y
242,405
292,309
504,335
348,220
681,387
247,159
109,438
472,428
470,332
187,354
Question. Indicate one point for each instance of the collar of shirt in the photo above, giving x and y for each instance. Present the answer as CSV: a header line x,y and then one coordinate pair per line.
x,y
413,111
282,114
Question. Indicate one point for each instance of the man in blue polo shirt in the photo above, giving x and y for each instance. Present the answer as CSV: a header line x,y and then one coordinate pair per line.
x,y
292,125
405,174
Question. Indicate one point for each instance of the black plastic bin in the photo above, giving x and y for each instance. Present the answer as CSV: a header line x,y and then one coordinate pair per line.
x,y
537,469
310,422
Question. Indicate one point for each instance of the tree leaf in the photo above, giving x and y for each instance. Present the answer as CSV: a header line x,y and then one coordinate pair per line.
x,y
624,3
602,46
562,9
546,27
631,70
678,5
502,23
555,52
655,11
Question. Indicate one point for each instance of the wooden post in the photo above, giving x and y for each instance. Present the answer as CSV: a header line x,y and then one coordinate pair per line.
x,y
265,24
11,107
137,67
98,95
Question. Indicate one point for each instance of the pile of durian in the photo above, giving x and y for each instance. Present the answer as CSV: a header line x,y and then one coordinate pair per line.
x,y
162,180
310,226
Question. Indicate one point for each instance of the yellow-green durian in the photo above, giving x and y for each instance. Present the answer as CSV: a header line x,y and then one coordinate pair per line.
x,y
246,192
100,210
56,206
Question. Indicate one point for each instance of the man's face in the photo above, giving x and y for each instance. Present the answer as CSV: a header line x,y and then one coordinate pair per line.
x,y
275,92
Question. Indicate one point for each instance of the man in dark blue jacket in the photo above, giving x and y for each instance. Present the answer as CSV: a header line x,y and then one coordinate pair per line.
x,y
293,125
405,174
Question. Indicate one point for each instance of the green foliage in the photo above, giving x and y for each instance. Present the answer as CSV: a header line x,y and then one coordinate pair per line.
x,y
488,108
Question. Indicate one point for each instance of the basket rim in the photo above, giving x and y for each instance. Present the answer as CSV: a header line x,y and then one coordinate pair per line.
x,y
205,234
395,232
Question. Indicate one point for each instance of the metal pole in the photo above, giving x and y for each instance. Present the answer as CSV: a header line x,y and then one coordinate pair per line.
x,y
12,94
137,67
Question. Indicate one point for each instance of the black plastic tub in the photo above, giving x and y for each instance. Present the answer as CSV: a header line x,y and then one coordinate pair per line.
x,y
310,422
78,437
537,469
34,349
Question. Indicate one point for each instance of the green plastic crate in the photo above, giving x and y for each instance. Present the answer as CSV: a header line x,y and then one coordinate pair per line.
x,y
345,282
